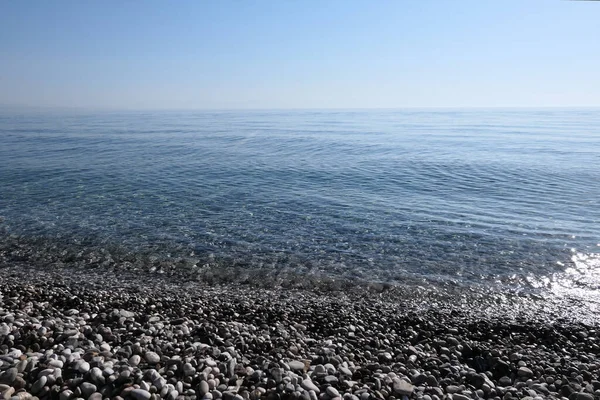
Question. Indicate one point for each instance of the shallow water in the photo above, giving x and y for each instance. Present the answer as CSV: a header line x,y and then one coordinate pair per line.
x,y
467,197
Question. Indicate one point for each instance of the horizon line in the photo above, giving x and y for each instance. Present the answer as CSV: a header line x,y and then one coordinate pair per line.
x,y
214,109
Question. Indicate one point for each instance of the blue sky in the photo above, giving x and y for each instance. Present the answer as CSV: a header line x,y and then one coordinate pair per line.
x,y
299,54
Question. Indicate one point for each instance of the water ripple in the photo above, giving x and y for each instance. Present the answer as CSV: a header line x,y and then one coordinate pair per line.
x,y
472,197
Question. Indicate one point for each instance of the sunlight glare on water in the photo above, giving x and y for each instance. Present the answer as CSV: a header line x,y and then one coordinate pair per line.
x,y
580,280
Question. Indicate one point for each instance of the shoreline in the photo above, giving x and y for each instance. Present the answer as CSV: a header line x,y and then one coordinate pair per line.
x,y
500,299
97,334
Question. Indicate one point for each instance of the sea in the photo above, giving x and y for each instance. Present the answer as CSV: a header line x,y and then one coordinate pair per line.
x,y
505,199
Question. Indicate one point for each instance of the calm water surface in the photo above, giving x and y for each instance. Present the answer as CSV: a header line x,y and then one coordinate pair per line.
x,y
474,197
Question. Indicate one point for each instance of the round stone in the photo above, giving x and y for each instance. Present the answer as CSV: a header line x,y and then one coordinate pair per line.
x,y
140,394
87,388
402,387
203,388
39,384
188,369
525,372
307,384
296,365
152,358
83,367
9,375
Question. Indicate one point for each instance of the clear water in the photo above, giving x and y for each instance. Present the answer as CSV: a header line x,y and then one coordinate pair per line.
x,y
473,197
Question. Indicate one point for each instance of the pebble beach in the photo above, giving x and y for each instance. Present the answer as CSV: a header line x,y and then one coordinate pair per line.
x,y
300,254
283,200
107,334
292,200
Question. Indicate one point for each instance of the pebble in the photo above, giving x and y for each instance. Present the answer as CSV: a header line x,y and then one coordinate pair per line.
x,y
452,389
96,374
87,389
39,384
9,376
152,358
505,381
296,365
525,372
188,370
65,394
140,394
459,396
402,387
7,393
83,367
581,396
203,388
135,360
307,384
55,363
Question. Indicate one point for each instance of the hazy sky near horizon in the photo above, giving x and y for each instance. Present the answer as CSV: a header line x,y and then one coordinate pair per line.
x,y
299,54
